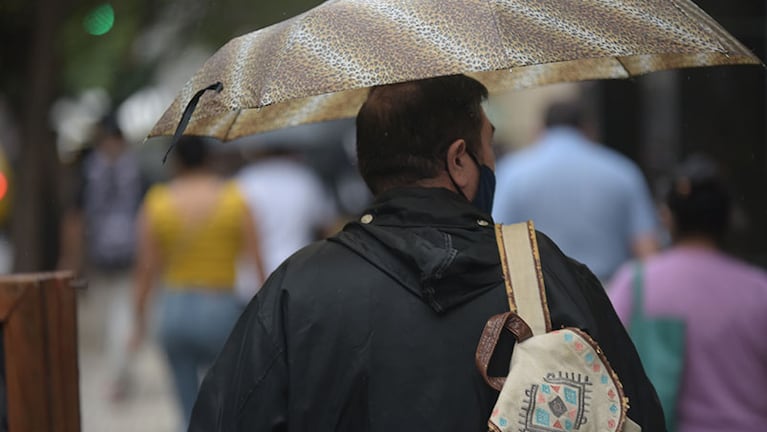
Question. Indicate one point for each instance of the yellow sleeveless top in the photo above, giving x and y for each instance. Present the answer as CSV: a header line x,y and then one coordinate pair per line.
x,y
199,254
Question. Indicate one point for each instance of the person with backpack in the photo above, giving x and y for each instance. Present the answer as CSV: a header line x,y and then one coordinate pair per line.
x,y
377,328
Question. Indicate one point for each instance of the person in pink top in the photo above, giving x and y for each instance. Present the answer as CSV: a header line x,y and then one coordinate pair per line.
x,y
721,301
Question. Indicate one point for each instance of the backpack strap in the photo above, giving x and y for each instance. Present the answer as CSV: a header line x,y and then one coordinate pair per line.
x,y
522,274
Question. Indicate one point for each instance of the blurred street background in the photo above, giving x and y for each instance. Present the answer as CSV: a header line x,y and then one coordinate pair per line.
x,y
66,65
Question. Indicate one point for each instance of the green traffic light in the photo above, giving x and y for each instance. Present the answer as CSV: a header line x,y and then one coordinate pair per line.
x,y
99,20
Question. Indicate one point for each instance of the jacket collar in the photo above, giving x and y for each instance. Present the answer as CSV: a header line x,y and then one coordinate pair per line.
x,y
430,240
420,206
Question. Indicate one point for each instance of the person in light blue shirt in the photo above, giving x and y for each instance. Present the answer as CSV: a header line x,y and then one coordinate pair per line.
x,y
592,201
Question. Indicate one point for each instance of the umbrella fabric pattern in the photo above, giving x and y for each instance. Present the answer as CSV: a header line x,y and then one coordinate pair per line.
x,y
318,65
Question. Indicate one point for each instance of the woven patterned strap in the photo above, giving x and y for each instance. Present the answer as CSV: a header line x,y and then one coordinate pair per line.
x,y
522,274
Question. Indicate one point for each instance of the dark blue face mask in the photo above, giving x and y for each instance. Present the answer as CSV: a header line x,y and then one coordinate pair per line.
x,y
483,200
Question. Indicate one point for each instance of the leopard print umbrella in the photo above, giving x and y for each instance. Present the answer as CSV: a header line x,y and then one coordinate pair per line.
x,y
318,65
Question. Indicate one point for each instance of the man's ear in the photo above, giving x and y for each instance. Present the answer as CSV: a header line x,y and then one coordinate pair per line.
x,y
458,162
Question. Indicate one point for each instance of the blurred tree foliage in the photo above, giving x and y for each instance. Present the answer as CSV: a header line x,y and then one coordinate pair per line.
x,y
47,53
103,61
115,60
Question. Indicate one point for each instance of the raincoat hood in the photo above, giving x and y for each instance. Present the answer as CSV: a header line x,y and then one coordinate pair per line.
x,y
426,240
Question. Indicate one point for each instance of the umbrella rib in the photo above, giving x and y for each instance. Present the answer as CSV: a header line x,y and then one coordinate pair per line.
x,y
506,48
231,125
288,45
697,22
623,65
421,29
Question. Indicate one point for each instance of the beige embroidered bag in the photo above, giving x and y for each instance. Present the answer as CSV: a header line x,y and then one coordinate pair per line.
x,y
558,380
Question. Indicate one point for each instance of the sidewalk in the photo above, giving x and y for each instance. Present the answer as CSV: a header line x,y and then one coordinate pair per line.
x,y
150,405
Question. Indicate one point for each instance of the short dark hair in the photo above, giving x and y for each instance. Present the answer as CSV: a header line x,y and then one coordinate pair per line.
x,y
565,113
108,126
405,129
699,200
191,151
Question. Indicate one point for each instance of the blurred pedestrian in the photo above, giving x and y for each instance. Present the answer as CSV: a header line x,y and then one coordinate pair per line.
x,y
376,328
292,208
98,242
591,200
720,300
190,233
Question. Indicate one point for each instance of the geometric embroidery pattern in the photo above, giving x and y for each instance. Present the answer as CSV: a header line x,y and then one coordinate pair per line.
x,y
536,398
560,403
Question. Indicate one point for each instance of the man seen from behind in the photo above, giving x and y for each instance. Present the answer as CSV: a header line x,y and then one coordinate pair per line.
x,y
376,328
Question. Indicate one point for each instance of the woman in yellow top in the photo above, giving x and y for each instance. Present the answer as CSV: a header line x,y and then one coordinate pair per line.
x,y
190,233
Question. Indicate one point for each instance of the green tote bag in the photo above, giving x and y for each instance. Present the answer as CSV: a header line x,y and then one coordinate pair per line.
x,y
660,342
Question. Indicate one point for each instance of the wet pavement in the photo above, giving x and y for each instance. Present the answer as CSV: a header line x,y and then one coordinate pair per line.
x,y
148,404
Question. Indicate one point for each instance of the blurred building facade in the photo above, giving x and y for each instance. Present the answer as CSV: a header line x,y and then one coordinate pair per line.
x,y
661,118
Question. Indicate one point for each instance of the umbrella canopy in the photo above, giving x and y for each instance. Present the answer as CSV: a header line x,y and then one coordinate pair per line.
x,y
318,65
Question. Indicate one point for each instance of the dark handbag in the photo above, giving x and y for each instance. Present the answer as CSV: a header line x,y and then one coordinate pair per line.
x,y
660,342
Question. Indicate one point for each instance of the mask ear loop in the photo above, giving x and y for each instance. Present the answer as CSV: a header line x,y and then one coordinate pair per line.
x,y
455,185
188,111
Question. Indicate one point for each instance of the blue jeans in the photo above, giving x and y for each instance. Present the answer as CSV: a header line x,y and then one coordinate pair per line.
x,y
193,326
